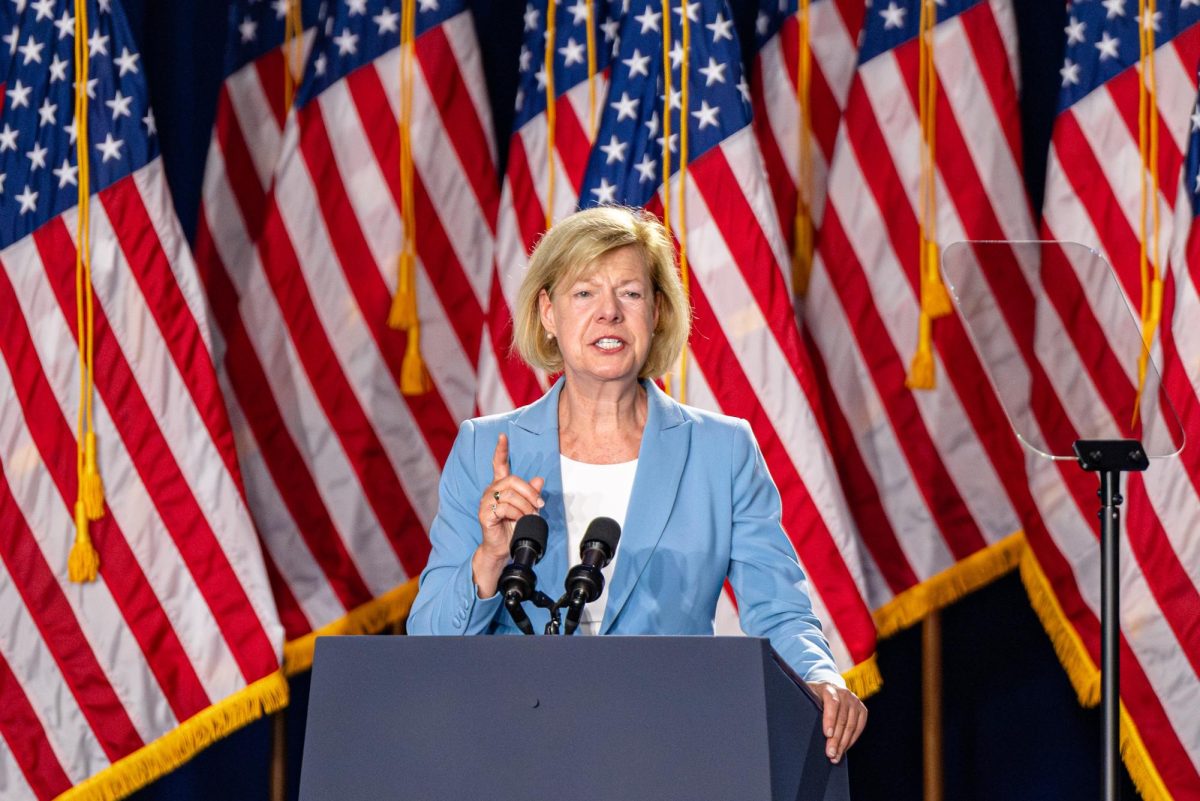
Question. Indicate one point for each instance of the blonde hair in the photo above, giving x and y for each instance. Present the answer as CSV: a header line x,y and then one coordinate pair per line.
x,y
563,256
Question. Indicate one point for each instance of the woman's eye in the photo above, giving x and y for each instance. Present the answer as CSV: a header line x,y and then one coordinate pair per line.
x,y
633,294
583,293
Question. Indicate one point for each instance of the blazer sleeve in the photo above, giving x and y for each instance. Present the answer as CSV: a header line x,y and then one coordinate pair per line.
x,y
771,588
447,602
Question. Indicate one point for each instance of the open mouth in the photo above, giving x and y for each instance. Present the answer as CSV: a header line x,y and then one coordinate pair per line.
x,y
609,344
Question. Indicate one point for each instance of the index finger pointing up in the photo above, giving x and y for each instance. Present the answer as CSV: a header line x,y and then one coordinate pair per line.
x,y
500,458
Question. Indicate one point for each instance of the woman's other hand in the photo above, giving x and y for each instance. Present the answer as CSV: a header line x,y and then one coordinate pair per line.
x,y
843,717
504,501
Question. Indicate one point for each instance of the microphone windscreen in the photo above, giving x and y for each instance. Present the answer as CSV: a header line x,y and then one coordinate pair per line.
x,y
534,530
602,529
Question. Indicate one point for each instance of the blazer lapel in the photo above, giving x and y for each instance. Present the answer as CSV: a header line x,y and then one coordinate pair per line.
x,y
661,458
533,451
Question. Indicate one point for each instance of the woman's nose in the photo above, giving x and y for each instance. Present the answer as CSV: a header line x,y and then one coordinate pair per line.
x,y
609,307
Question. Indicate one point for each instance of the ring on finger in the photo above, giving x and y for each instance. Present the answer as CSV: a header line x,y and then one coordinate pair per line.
x,y
494,512
496,497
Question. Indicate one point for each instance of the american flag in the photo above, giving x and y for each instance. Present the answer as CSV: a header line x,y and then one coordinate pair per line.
x,y
745,357
547,156
108,684
341,467
1094,189
934,478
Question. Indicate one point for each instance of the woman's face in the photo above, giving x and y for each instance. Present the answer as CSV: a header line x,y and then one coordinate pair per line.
x,y
605,320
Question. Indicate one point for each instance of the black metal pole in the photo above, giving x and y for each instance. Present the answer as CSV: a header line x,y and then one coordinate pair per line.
x,y
1110,630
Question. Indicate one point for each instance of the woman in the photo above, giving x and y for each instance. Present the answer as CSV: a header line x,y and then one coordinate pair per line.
x,y
602,304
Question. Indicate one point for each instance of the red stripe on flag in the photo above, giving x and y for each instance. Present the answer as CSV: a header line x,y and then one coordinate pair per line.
x,y
239,167
139,604
783,188
987,47
572,141
165,483
269,71
23,731
518,379
529,212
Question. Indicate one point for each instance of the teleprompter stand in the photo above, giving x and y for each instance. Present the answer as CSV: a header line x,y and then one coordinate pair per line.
x,y
521,718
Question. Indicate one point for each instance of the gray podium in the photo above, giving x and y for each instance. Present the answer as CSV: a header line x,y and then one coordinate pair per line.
x,y
532,718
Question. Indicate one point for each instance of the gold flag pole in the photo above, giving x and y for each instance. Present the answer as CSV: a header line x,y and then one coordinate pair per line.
x,y
931,704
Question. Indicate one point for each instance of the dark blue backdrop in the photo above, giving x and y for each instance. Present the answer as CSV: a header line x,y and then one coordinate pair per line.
x,y
1013,729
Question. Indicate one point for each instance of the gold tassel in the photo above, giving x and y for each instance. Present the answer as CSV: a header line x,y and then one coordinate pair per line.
x,y
403,314
83,562
93,486
802,253
414,379
921,373
935,300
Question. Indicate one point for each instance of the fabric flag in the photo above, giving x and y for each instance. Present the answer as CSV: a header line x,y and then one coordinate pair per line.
x,y
745,357
806,58
1113,183
547,156
108,683
341,465
928,153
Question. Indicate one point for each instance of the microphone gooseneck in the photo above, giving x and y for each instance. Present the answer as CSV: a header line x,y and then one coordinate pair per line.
x,y
585,581
518,582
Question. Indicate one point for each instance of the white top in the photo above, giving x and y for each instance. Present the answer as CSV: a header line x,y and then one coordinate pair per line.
x,y
591,491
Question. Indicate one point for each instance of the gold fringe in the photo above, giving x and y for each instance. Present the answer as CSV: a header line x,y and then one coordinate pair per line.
x,y
177,746
938,592
921,372
1137,761
83,563
370,618
414,378
93,486
1081,670
864,679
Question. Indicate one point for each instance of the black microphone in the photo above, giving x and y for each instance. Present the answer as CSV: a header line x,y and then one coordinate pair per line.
x,y
585,582
517,580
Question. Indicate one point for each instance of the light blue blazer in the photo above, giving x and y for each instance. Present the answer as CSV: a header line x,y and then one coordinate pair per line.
x,y
703,509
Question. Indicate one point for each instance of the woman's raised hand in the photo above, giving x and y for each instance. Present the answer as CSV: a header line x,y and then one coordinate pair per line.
x,y
504,501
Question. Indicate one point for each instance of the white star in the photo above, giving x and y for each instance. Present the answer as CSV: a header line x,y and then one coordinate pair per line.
x,y
111,148
1150,22
150,123
91,87
3,175
388,21
70,129
693,10
671,144
11,39
8,138
744,88
347,43
579,12
356,7
105,6
526,59
127,62
1075,31
707,115
1115,8
97,44
428,5
31,50
637,63
649,20
646,168
572,52
1195,119
1196,189
58,69
893,16
46,113
281,8
1069,72
66,174
37,157
614,150
65,25
20,4
519,100
676,98
721,28
531,17
611,26
44,8
28,200
626,107
19,94
652,124
1187,3
119,105
762,23
248,28
541,77
1108,46
319,64
714,72
677,54
605,192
